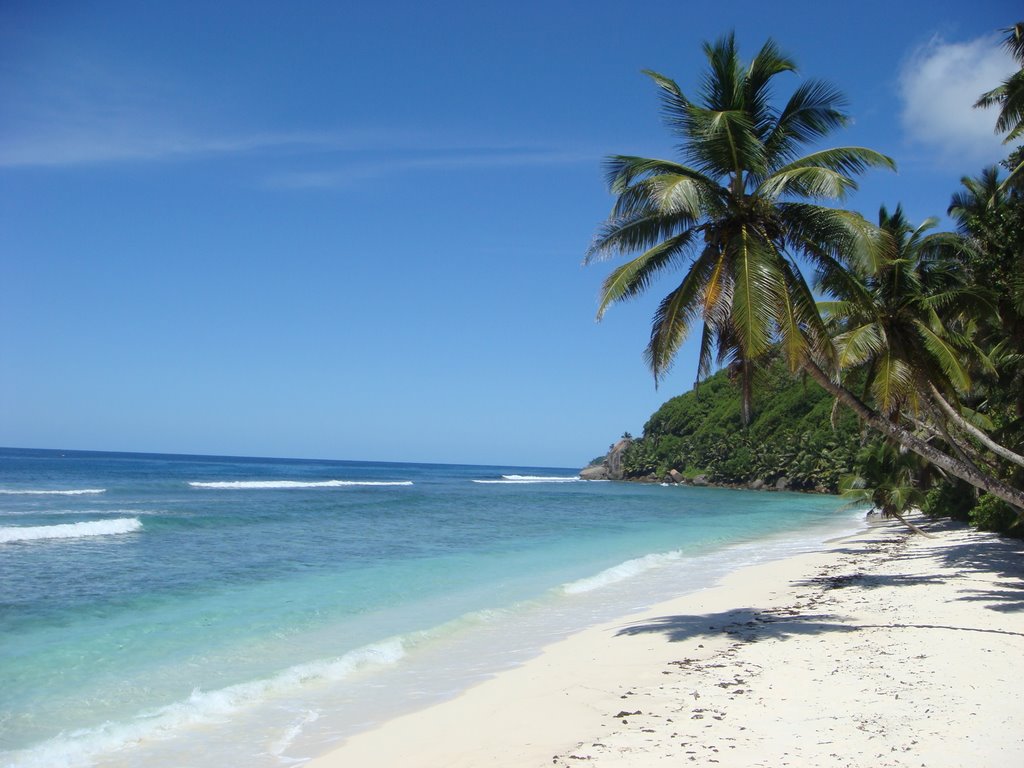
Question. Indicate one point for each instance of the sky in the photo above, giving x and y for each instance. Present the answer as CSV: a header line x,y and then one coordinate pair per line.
x,y
330,230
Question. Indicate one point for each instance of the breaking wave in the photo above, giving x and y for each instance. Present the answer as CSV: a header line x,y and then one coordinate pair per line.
x,y
282,484
85,746
72,492
69,530
527,479
621,572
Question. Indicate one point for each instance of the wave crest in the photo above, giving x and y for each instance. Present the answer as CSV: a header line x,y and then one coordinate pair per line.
x,y
284,484
85,746
621,572
528,479
70,530
71,492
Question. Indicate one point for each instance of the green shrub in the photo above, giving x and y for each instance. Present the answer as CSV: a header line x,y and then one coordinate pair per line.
x,y
950,498
992,514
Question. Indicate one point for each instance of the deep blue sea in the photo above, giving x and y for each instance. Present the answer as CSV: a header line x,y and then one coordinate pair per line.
x,y
167,610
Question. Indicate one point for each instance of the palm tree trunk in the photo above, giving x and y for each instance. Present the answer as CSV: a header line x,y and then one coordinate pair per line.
x,y
906,438
966,452
973,431
910,525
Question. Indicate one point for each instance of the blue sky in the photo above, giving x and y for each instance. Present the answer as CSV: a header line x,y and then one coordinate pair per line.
x,y
316,229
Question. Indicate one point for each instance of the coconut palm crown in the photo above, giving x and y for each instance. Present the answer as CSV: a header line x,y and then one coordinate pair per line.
x,y
734,213
895,323
1009,97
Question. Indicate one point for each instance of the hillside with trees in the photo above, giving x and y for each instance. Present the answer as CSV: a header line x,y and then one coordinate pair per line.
x,y
789,443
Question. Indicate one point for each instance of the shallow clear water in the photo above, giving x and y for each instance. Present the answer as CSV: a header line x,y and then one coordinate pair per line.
x,y
169,610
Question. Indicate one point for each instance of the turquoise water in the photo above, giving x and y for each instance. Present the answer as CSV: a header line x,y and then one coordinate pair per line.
x,y
170,610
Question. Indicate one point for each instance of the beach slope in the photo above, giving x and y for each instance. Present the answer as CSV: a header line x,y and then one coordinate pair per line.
x,y
883,649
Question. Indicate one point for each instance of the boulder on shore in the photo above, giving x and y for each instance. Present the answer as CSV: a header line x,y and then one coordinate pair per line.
x,y
700,480
674,476
611,467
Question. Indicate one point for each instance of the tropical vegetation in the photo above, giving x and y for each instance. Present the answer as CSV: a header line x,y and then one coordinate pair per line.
x,y
791,441
1009,96
906,338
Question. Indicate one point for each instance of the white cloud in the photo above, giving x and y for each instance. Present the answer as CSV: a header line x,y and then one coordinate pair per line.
x,y
939,84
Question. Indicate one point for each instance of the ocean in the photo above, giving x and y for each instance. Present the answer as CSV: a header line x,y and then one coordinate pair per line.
x,y
167,610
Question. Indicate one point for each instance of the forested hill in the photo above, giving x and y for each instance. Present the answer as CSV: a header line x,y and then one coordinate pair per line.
x,y
789,443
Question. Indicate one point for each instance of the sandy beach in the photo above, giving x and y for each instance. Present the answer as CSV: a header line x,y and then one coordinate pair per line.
x,y
882,649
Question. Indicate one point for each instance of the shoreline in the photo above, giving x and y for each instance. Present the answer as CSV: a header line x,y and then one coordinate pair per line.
x,y
881,648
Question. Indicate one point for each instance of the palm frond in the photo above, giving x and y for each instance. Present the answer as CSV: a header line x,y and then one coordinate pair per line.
x,y
632,233
813,111
768,63
757,286
947,357
858,345
722,84
621,171
844,161
729,144
809,182
893,381
635,276
675,316
800,323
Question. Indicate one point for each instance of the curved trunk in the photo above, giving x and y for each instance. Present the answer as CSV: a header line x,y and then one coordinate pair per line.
x,y
910,525
906,438
973,431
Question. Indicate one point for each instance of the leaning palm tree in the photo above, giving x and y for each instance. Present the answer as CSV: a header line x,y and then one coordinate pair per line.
x,y
735,214
886,479
893,326
911,336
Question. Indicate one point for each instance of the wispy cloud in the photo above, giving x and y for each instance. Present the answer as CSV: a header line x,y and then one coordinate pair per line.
x,y
445,159
90,119
82,111
939,84
118,142
73,109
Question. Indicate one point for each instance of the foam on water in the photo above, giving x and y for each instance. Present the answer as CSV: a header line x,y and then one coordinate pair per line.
x,y
70,530
622,571
308,716
71,492
84,746
285,484
528,479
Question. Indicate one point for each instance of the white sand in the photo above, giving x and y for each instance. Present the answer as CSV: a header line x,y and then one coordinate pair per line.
x,y
882,650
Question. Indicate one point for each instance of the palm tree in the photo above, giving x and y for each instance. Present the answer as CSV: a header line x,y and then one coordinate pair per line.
x,y
892,325
992,217
904,335
886,479
735,215
1009,95
740,210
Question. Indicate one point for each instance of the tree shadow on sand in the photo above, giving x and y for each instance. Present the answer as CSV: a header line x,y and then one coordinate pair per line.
x,y
968,563
993,554
747,624
984,554
750,625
